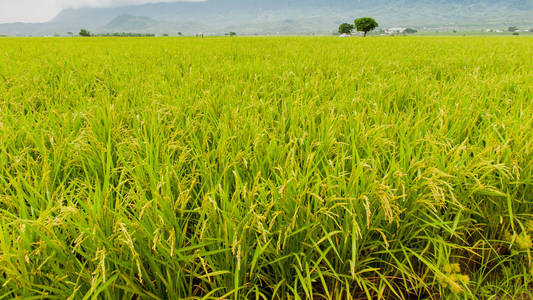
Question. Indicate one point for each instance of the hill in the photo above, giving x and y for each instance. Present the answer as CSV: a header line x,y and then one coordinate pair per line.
x,y
283,16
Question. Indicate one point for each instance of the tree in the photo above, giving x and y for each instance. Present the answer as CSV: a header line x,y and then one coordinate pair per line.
x,y
232,33
346,28
84,32
165,34
512,29
516,33
365,25
180,34
410,30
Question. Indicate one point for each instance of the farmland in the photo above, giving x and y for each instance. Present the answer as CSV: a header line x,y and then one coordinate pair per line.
x,y
266,168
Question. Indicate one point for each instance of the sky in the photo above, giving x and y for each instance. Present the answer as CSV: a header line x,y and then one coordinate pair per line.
x,y
44,10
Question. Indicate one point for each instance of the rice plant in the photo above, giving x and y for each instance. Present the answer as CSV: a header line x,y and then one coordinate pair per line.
x,y
266,168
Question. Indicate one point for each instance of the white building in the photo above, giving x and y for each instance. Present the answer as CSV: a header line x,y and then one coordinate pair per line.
x,y
395,30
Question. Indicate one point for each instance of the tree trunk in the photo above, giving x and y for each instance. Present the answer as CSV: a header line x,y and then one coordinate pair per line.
x,y
365,34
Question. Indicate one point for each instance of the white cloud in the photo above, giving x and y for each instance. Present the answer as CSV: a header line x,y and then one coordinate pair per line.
x,y
44,10
106,3
27,10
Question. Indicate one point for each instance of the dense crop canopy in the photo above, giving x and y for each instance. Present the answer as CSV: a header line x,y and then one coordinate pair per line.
x,y
268,167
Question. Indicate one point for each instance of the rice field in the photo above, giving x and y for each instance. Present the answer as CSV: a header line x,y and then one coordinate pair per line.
x,y
266,168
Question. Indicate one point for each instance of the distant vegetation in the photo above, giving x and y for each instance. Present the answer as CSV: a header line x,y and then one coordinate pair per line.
x,y
84,32
126,34
346,28
364,25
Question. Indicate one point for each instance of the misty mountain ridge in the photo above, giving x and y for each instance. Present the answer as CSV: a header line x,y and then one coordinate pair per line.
x,y
281,16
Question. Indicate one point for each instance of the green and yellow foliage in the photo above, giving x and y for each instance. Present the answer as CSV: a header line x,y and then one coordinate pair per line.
x,y
266,168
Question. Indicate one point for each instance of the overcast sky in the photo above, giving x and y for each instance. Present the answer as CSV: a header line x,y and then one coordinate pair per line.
x,y
44,10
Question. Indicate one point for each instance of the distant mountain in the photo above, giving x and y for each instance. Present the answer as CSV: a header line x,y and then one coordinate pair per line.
x,y
131,23
282,16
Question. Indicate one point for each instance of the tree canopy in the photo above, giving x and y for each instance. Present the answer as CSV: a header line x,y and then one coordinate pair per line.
x,y
346,28
84,32
365,25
